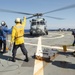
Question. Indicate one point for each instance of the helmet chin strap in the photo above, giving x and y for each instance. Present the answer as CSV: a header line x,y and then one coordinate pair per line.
x,y
3,25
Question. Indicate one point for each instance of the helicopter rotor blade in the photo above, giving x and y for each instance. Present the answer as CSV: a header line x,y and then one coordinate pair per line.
x,y
30,17
55,17
10,11
63,8
35,15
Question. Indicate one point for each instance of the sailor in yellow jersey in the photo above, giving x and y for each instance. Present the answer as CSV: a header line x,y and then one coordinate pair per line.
x,y
17,38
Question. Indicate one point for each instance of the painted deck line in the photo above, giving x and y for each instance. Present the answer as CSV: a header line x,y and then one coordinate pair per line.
x,y
38,66
54,47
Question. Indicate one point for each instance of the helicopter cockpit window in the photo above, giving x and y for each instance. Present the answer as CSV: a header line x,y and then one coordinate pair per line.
x,y
42,23
33,23
38,23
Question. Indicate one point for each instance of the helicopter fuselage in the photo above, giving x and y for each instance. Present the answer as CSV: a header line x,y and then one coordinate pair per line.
x,y
38,26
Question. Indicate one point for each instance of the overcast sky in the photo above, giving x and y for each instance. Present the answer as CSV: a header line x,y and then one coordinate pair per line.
x,y
39,6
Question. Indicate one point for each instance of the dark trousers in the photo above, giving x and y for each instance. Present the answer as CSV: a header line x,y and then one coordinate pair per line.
x,y
3,42
23,49
73,43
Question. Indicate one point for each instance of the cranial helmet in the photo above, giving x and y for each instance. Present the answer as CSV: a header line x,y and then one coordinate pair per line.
x,y
18,20
3,23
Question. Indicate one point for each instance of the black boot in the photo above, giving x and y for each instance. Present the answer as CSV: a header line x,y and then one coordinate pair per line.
x,y
4,51
27,59
13,59
74,53
73,44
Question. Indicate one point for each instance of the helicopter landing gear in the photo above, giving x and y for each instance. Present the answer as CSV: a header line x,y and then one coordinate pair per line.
x,y
46,32
30,33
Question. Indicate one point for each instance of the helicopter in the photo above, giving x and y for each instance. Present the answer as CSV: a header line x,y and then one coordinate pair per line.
x,y
38,25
